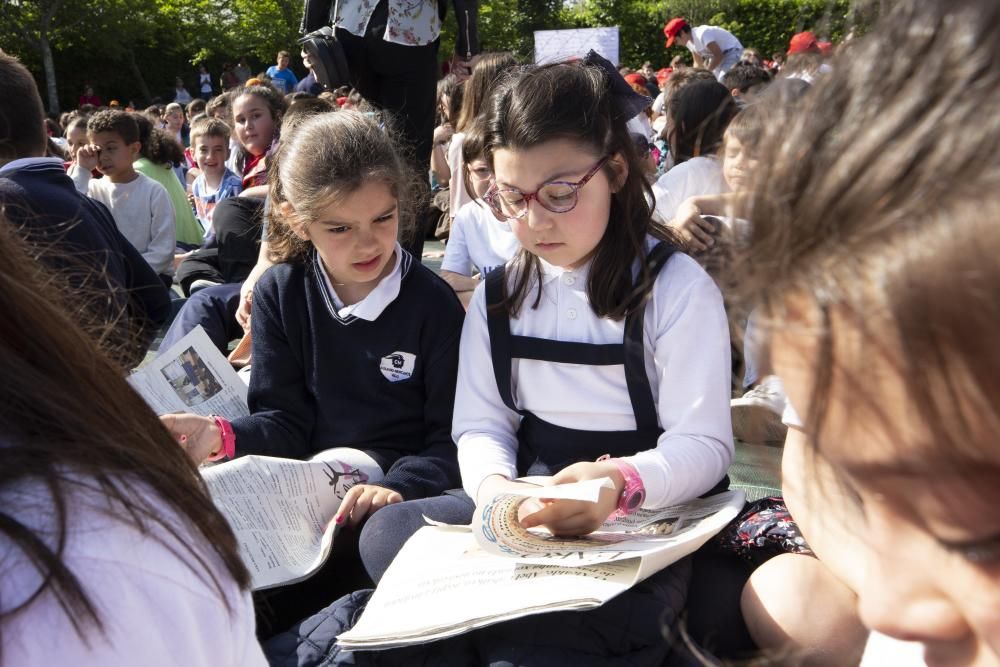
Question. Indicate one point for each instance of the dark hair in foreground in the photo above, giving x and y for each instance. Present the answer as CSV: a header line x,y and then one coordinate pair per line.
x,y
69,420
877,205
22,132
536,104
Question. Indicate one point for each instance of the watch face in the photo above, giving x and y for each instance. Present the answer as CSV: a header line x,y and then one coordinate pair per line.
x,y
634,501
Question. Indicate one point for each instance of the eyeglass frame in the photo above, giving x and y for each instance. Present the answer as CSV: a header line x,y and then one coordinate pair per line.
x,y
493,194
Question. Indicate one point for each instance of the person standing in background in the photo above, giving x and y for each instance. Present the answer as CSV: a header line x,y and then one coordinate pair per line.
x,y
282,78
204,83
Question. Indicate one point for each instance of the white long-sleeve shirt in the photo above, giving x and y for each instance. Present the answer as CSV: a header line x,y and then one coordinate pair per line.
x,y
158,605
689,370
142,212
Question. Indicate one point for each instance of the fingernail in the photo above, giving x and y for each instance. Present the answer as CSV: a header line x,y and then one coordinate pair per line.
x,y
339,519
184,439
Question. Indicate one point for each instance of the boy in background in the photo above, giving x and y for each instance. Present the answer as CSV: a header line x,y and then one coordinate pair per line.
x,y
140,206
210,145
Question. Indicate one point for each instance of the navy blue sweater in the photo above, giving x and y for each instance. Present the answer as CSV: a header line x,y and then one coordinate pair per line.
x,y
76,236
385,387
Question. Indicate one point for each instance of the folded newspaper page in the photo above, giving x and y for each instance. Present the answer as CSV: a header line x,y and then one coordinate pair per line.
x,y
281,509
448,580
192,376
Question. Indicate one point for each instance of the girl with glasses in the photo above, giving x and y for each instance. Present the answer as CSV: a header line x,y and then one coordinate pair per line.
x,y
479,240
599,340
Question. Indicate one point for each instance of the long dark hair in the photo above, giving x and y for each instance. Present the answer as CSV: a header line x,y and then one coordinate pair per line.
x,y
535,104
69,422
157,145
697,117
877,205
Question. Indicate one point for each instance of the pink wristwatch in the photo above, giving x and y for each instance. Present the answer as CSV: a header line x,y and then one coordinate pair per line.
x,y
634,493
228,449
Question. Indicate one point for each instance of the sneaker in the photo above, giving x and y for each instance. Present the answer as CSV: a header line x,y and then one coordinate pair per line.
x,y
201,284
757,415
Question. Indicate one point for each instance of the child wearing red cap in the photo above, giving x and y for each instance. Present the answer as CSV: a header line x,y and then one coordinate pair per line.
x,y
712,47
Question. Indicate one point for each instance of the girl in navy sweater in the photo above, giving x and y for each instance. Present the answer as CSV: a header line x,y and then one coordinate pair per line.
x,y
355,343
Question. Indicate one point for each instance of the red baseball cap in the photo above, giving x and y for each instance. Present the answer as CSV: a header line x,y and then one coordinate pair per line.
x,y
673,27
635,77
663,74
803,42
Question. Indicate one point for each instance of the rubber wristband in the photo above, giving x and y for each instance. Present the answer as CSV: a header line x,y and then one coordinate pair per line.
x,y
228,449
634,493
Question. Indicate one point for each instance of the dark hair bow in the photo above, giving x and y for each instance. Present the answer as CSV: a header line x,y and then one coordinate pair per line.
x,y
627,102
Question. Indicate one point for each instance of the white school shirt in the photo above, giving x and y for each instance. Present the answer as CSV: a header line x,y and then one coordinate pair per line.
x,y
689,370
143,214
478,239
384,293
459,195
157,611
703,35
691,178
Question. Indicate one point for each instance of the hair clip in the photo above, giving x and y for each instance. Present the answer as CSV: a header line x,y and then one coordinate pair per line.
x,y
626,101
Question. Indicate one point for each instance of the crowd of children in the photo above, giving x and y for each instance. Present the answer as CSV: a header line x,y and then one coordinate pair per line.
x,y
627,254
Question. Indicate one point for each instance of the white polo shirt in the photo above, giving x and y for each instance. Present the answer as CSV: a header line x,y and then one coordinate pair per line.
x,y
384,293
687,362
479,240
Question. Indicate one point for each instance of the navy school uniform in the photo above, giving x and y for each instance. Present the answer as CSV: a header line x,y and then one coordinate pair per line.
x,y
632,628
380,379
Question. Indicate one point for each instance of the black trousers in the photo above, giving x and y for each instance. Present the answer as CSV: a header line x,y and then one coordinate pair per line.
x,y
401,80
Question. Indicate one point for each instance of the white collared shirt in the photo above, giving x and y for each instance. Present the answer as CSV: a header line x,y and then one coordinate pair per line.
x,y
689,370
370,307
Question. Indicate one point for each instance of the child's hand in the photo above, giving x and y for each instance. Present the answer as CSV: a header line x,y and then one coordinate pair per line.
x,y
246,304
443,133
87,157
362,500
197,435
697,232
578,517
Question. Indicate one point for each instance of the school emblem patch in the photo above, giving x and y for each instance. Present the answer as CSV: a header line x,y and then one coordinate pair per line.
x,y
397,366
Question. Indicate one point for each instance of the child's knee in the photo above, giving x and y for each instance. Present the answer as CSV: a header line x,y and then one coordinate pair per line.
x,y
384,534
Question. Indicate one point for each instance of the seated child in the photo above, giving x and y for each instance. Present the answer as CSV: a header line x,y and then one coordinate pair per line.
x,y
159,155
477,238
697,116
355,343
139,205
874,260
604,340
111,547
210,145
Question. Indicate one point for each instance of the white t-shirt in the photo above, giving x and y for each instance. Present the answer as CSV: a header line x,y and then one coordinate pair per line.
x,y
479,240
144,215
691,178
459,195
703,35
687,362
156,610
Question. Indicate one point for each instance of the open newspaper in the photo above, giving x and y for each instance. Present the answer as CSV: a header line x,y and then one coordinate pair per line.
x,y
282,509
192,376
451,579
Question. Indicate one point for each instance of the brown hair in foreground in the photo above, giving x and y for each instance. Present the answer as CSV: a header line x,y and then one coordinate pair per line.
x,y
877,205
68,419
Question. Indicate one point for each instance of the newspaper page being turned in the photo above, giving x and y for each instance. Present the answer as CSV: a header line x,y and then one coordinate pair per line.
x,y
281,509
192,376
451,579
